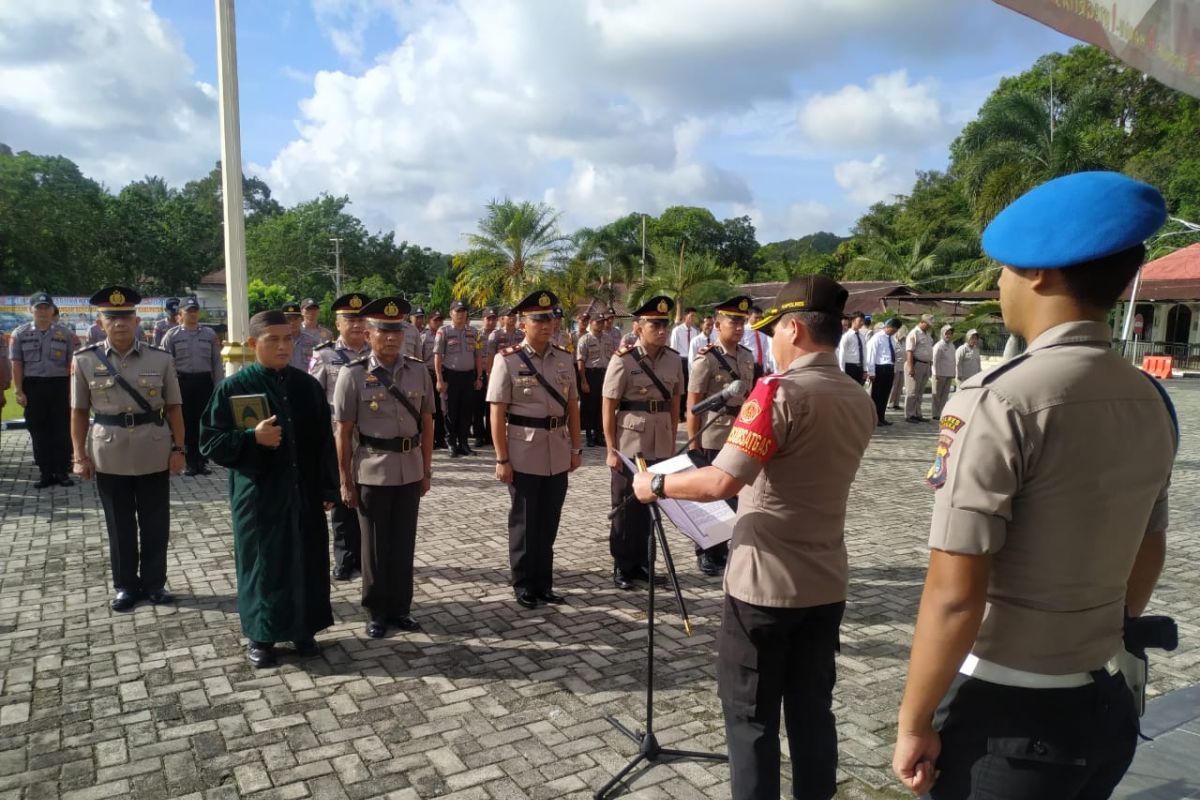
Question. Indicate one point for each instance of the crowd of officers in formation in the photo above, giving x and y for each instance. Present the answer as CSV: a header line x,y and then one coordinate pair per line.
x,y
1035,568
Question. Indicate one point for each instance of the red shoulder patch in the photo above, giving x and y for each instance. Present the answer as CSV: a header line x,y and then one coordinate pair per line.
x,y
752,432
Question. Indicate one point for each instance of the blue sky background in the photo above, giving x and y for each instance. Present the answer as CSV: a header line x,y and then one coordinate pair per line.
x,y
799,113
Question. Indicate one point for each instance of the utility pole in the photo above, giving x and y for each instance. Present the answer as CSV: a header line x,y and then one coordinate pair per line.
x,y
237,303
337,266
643,247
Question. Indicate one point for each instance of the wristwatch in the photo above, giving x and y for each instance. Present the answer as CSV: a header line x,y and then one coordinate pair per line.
x,y
500,462
576,451
658,485
178,448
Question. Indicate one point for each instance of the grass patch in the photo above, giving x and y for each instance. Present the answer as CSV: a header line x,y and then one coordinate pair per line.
x,y
11,410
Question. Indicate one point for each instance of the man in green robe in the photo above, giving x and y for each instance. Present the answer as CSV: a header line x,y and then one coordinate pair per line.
x,y
281,472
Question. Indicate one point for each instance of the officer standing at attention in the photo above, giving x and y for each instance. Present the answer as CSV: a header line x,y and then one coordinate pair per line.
x,y
96,332
302,344
458,363
198,365
327,362
881,367
535,430
383,404
966,357
506,335
1034,563
943,370
592,357
797,442
852,350
136,441
41,360
480,418
169,319
310,310
716,366
642,391
918,348
428,340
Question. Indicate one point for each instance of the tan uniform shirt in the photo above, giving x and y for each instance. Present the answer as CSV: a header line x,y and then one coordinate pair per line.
x,y
921,345
595,351
1056,464
797,444
614,338
457,347
320,333
535,451
116,449
650,433
360,397
428,339
411,346
498,340
328,360
966,362
943,359
302,350
195,351
564,339
708,377
43,354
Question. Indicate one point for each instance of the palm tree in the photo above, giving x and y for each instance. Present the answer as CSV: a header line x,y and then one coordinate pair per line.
x,y
684,277
515,242
895,260
1020,141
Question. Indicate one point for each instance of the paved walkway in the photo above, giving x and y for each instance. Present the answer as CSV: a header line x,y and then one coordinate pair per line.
x,y
491,701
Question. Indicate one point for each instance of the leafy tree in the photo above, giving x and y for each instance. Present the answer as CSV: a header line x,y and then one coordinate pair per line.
x,y
739,246
687,278
441,295
515,242
295,248
265,296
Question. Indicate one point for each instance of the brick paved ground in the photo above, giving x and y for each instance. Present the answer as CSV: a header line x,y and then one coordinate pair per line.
x,y
491,701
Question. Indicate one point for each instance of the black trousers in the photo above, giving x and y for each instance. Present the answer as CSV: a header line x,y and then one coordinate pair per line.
x,y
388,517
460,404
137,510
765,657
856,371
439,415
480,427
590,404
881,387
347,536
629,530
1001,742
48,419
720,552
195,388
537,502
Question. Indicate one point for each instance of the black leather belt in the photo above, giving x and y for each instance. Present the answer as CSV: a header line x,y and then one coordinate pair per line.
x,y
546,423
130,420
651,406
398,444
919,361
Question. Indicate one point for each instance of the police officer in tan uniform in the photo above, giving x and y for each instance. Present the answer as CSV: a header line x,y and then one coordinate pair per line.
x,y
716,366
592,355
303,343
197,354
458,364
642,390
918,348
383,404
480,419
328,359
943,370
505,335
1049,518
428,341
169,319
41,357
310,310
797,443
136,440
535,430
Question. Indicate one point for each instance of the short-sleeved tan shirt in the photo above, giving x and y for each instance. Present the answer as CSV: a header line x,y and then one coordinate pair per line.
x,y
117,449
796,444
498,340
710,376
360,397
457,347
651,433
595,351
1055,463
328,360
921,345
535,451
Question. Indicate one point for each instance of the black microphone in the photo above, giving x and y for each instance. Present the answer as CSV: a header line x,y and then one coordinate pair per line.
x,y
735,392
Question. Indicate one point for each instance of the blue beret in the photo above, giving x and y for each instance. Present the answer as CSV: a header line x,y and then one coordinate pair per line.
x,y
1073,219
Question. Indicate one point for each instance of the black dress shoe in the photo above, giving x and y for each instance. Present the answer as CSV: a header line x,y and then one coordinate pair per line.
x,y
376,629
454,452
466,450
551,597
63,479
439,445
124,601
204,470
44,482
527,599
481,442
641,574
161,597
913,420
405,622
883,423
307,648
342,572
261,655
708,565
621,580
191,472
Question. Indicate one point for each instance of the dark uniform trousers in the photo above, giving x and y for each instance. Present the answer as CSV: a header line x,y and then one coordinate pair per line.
x,y
765,657
460,404
439,415
479,421
137,509
881,387
629,531
195,388
537,502
347,536
1001,742
48,418
855,371
388,517
590,404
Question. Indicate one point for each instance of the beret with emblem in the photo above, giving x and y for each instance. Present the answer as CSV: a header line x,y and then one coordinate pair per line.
x,y
116,300
806,293
657,307
1075,219
386,313
290,308
41,299
538,304
733,307
350,305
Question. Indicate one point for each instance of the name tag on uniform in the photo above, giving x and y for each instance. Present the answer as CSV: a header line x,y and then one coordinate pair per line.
x,y
524,372
100,370
635,372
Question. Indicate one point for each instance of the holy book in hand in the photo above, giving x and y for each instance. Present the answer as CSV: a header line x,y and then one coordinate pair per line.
x,y
248,409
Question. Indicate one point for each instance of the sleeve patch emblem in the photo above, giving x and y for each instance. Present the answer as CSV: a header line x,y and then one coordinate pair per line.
x,y
753,433
950,426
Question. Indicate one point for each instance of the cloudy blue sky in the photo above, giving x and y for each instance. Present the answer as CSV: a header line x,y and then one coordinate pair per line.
x,y
800,113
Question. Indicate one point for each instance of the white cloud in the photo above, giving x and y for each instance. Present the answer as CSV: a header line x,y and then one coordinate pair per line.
x,y
889,110
106,83
867,182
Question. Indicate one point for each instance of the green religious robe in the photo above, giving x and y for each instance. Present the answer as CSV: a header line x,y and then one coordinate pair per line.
x,y
281,542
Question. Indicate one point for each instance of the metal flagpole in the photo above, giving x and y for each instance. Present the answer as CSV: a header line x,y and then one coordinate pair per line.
x,y
237,304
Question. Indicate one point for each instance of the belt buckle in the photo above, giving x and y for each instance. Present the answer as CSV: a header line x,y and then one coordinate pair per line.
x,y
127,420
406,445
655,406
554,425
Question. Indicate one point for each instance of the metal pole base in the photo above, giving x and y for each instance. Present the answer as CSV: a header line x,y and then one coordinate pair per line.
x,y
650,752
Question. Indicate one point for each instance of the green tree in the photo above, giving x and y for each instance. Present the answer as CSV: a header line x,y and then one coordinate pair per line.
x,y
687,278
294,248
265,296
514,243
739,245
441,294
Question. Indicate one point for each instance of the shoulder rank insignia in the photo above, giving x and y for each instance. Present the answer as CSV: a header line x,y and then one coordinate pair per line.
x,y
512,348
359,362
672,349
560,347
706,349
414,359
625,350
323,346
743,347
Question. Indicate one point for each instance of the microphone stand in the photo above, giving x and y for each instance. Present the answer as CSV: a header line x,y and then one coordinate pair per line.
x,y
649,750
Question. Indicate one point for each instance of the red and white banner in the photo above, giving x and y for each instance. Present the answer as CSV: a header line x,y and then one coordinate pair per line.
x,y
1158,37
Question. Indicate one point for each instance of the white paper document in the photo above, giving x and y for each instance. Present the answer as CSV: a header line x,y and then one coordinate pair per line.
x,y
706,524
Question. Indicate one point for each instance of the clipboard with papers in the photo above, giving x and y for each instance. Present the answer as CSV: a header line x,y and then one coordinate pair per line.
x,y
706,524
